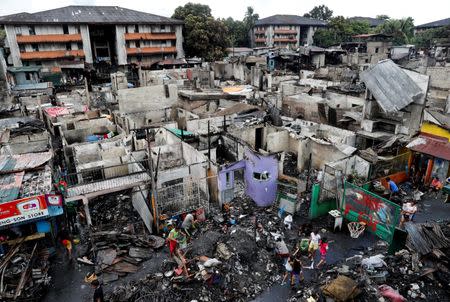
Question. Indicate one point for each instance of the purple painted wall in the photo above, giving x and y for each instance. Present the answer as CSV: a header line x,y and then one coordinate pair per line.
x,y
263,192
222,179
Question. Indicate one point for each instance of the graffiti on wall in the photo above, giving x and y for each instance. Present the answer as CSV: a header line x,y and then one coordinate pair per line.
x,y
371,209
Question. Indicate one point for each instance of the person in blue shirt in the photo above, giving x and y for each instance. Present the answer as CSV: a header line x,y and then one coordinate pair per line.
x,y
392,186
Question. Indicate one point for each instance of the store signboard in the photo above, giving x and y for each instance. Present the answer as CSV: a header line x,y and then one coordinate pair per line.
x,y
24,209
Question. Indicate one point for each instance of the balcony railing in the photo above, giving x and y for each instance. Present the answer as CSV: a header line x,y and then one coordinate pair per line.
x,y
49,38
150,36
101,173
151,50
285,31
52,54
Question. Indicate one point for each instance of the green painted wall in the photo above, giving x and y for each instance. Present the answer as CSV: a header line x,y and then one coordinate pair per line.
x,y
320,208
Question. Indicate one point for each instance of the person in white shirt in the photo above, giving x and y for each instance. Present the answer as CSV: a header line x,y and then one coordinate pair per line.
x,y
409,209
188,223
313,246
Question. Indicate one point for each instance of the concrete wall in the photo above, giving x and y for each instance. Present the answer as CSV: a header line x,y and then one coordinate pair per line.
x,y
139,200
179,43
277,141
165,137
121,50
86,44
146,98
13,46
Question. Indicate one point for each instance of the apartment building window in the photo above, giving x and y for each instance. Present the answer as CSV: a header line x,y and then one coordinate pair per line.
x,y
68,46
35,47
127,44
136,28
31,30
28,76
18,30
163,28
126,29
77,28
66,29
79,45
138,44
21,48
38,63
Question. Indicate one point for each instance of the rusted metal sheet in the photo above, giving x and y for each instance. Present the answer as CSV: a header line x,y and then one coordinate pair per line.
x,y
431,146
23,162
150,36
151,50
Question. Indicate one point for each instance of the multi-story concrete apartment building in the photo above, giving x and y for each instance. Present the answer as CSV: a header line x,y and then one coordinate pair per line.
x,y
285,31
75,37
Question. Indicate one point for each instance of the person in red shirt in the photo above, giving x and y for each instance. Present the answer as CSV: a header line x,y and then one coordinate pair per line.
x,y
323,248
436,186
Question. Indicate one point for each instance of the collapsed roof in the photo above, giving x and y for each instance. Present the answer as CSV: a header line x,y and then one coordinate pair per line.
x,y
391,86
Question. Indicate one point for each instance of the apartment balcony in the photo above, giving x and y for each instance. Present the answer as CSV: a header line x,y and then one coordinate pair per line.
x,y
286,40
285,31
150,50
52,54
150,36
260,32
260,40
49,38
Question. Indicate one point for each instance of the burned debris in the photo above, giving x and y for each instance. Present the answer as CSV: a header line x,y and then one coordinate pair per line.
x,y
282,172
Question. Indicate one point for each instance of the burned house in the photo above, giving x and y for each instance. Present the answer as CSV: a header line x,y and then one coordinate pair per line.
x,y
367,49
395,100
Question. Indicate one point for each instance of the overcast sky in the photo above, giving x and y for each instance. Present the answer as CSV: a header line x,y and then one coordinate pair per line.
x,y
422,12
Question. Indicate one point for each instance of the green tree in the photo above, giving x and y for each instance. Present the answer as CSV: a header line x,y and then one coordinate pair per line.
x,y
401,30
429,37
321,12
204,36
196,9
339,30
237,31
383,17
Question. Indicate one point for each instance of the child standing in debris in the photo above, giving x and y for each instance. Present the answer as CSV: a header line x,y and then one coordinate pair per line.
x,y
296,270
172,240
313,246
323,246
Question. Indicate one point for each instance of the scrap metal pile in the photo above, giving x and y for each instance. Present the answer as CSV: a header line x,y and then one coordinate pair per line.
x,y
24,273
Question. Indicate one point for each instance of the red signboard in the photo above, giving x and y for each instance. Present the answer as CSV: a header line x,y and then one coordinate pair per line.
x,y
22,210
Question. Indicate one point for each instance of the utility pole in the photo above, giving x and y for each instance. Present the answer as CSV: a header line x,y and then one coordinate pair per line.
x,y
154,201
209,144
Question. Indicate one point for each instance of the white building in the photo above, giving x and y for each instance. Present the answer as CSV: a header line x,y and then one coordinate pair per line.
x,y
74,37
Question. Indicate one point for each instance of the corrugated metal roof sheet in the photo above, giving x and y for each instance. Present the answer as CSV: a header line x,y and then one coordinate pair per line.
x,y
290,20
15,163
431,146
10,186
87,15
391,86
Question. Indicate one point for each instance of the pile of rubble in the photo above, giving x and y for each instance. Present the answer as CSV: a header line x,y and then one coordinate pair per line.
x,y
118,242
225,261
372,276
24,272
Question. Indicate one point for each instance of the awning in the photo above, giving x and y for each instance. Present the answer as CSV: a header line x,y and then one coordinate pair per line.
x,y
431,146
